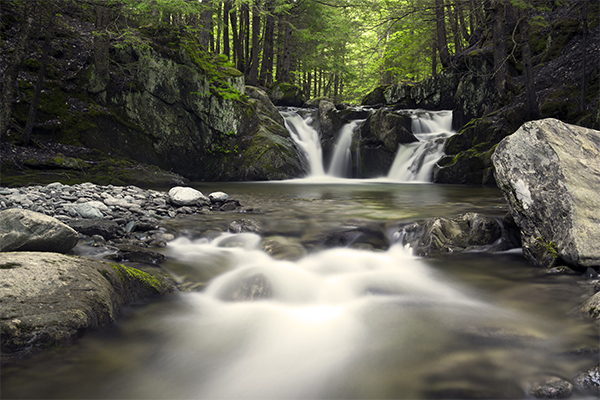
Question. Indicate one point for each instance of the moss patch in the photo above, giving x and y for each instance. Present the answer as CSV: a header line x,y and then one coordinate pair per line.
x,y
128,274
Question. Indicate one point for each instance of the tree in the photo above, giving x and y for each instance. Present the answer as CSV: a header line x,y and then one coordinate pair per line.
x,y
8,83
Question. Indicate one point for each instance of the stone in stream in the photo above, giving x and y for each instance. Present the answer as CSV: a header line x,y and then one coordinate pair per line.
x,y
49,299
187,196
550,387
24,230
251,288
549,172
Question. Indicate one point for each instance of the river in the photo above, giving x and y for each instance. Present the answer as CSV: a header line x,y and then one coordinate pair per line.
x,y
353,321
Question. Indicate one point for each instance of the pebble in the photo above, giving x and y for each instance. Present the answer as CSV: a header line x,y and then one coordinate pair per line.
x,y
132,208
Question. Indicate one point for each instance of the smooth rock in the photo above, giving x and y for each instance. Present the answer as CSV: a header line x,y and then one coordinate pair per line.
x,y
49,299
187,196
550,174
24,230
550,387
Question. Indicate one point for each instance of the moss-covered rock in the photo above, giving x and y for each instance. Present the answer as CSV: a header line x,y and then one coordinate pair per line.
x,y
49,299
286,94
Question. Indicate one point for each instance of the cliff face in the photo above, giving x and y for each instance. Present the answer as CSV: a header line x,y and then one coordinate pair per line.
x,y
163,102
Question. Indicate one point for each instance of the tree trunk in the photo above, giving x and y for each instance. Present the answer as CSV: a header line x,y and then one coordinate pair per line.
x,y
206,28
245,34
455,29
532,104
218,38
433,59
101,49
287,53
442,43
238,57
584,17
40,80
8,82
266,70
226,9
500,56
253,73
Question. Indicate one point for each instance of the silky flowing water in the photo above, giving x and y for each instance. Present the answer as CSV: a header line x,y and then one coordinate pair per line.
x,y
343,322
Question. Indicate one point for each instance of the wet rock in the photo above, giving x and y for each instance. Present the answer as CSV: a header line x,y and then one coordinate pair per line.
x,y
245,225
24,230
133,253
186,196
49,299
588,380
282,248
286,94
550,387
550,175
105,228
438,236
591,307
252,288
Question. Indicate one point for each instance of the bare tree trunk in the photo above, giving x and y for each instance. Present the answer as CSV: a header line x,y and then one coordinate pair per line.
x,y
533,110
266,70
433,59
8,82
442,43
218,38
226,9
253,73
287,54
206,28
101,49
584,17
26,138
245,34
500,56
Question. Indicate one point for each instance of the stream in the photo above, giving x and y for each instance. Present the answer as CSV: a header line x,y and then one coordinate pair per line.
x,y
345,322
358,318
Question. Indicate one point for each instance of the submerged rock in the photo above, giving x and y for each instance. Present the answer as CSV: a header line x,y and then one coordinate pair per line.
x,y
550,175
550,387
24,230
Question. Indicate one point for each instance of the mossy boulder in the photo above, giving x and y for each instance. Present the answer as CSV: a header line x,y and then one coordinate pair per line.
x,y
286,94
49,299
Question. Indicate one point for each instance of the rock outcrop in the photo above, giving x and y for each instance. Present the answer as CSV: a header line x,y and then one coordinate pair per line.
x,y
25,230
286,94
49,299
550,175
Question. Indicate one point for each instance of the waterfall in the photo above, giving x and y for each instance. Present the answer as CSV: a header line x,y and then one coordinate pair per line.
x,y
307,138
414,162
341,161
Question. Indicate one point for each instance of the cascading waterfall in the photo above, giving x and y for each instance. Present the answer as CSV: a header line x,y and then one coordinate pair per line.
x,y
307,138
414,162
341,161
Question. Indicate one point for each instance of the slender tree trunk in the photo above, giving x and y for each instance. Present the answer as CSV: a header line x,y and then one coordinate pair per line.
x,y
218,38
433,59
40,80
442,43
466,33
245,34
532,104
500,56
238,57
206,28
287,53
101,49
253,73
8,82
454,28
584,17
226,10
266,70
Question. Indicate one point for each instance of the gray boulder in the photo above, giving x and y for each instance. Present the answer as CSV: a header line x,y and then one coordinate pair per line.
x,y
49,299
24,230
550,175
286,94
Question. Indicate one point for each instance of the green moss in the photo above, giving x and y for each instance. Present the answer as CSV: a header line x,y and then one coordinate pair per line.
x,y
126,274
546,248
9,265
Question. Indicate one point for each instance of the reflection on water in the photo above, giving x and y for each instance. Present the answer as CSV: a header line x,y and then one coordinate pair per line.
x,y
338,323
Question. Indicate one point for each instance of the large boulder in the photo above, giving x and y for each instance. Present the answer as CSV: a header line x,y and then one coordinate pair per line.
x,y
550,175
286,94
25,230
49,299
